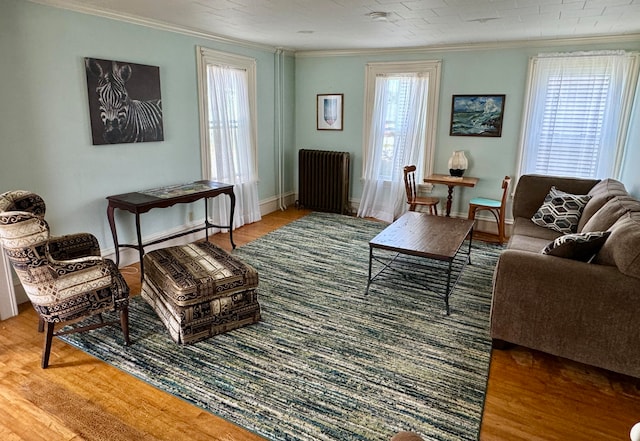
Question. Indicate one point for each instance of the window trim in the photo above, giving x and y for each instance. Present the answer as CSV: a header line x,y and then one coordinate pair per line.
x,y
204,58
430,67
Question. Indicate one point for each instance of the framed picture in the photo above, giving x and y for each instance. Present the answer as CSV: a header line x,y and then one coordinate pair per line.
x,y
329,111
477,115
124,102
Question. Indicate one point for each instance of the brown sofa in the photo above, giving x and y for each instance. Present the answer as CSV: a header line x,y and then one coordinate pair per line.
x,y
583,311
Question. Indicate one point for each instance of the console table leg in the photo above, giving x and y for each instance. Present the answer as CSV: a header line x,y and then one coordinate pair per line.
x,y
232,196
112,226
140,247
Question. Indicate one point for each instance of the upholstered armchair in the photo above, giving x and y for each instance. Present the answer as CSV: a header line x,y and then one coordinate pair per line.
x,y
64,277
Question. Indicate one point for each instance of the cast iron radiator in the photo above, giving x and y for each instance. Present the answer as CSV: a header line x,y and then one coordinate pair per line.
x,y
323,181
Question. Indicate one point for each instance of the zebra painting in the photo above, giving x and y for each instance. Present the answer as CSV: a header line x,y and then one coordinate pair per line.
x,y
126,106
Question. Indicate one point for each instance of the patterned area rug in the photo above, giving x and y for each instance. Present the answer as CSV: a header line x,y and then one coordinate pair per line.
x,y
328,362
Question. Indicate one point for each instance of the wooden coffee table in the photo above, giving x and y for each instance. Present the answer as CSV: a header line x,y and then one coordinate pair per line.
x,y
424,236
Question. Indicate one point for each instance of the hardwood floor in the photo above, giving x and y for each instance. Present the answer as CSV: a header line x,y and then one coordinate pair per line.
x,y
530,395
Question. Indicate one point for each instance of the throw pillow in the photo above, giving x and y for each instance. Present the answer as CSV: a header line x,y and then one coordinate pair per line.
x,y
561,211
577,246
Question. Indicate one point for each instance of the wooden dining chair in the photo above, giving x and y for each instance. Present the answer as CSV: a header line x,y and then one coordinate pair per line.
x,y
496,207
412,196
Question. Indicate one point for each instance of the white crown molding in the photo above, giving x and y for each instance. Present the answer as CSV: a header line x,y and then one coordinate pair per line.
x,y
156,24
514,44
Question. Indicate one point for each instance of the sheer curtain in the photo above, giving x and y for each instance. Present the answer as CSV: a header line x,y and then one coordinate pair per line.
x,y
397,138
577,113
231,149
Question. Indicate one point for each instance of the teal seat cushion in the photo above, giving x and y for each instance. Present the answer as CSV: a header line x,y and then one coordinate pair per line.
x,y
487,202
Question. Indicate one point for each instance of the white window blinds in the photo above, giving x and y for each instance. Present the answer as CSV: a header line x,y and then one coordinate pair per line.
x,y
577,112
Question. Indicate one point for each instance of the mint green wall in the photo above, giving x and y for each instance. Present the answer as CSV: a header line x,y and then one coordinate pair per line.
x,y
45,141
478,71
45,136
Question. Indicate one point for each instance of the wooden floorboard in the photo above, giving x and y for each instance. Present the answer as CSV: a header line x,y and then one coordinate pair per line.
x,y
530,395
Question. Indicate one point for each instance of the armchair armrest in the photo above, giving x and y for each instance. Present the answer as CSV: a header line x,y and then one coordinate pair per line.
x,y
73,246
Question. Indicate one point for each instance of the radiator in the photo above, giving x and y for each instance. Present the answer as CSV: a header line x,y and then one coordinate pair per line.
x,y
323,181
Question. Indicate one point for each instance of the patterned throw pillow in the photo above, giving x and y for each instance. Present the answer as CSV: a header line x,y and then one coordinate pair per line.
x,y
578,246
561,211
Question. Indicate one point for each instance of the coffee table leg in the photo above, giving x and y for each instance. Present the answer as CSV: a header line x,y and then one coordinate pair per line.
x,y
446,296
369,278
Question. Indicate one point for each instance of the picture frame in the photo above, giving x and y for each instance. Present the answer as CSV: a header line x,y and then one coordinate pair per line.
x,y
329,111
477,115
130,86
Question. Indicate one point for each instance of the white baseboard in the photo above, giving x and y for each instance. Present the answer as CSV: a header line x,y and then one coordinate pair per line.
x,y
129,256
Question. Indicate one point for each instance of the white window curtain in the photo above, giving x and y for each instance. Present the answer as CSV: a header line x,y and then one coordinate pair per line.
x,y
577,113
229,152
396,138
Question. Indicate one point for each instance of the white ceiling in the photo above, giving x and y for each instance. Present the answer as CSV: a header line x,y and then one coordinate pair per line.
x,y
345,24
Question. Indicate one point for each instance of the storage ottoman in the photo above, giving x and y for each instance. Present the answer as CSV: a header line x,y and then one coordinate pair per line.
x,y
199,290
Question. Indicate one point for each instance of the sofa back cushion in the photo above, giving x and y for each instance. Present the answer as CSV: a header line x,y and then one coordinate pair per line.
x,y
532,189
600,194
610,212
622,248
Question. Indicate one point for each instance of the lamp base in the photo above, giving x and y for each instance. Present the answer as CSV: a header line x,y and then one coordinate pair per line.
x,y
457,172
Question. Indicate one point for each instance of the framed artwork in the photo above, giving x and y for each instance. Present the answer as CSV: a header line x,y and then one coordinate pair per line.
x,y
477,115
329,110
124,102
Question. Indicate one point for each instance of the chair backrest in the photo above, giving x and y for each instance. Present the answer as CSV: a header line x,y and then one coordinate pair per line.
x,y
24,235
410,183
505,190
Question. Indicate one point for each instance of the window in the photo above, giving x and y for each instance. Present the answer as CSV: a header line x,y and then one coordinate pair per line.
x,y
577,112
399,128
227,106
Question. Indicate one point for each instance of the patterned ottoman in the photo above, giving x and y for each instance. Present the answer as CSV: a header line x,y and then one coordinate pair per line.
x,y
199,290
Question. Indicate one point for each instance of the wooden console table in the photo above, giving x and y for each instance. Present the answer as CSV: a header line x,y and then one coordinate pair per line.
x,y
450,182
142,201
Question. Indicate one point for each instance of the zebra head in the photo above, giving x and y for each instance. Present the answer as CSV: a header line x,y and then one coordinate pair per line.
x,y
113,98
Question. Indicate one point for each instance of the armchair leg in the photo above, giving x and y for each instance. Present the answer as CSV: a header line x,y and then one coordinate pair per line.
x,y
48,338
40,324
124,323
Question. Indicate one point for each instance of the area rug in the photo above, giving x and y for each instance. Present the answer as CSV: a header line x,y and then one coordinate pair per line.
x,y
327,362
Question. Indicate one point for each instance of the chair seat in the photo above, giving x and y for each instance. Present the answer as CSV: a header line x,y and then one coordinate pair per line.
x,y
485,202
426,201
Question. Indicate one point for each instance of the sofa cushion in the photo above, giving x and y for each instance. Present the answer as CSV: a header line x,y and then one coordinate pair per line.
x,y
622,248
525,227
577,246
527,243
610,212
600,194
561,211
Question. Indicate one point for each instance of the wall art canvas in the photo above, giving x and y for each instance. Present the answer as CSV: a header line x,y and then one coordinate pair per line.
x,y
329,111
124,102
477,115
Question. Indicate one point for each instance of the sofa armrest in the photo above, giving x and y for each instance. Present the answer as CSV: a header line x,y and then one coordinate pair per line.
x,y
585,312
531,190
